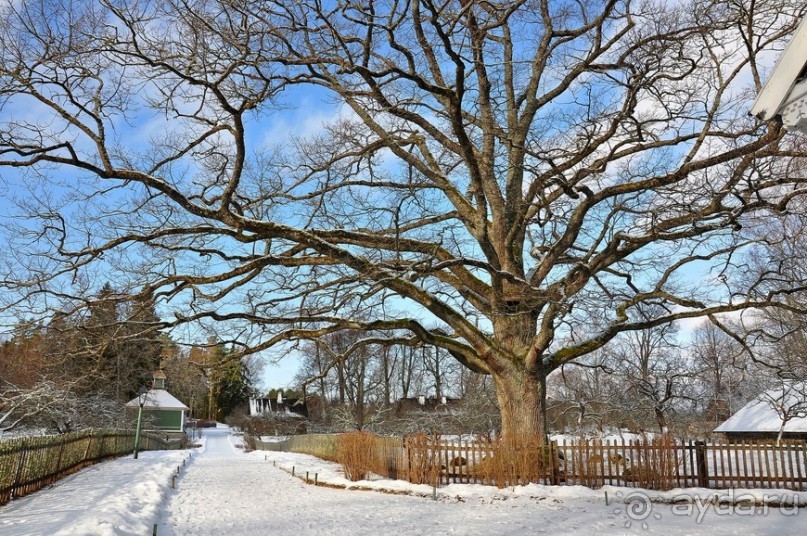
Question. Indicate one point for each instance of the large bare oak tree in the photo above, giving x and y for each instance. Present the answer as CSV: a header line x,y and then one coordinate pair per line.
x,y
512,182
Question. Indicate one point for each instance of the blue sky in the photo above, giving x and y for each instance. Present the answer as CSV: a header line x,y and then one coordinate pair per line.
x,y
302,112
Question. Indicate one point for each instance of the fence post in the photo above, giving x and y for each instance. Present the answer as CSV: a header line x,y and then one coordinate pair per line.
x,y
58,470
554,470
87,450
703,468
407,454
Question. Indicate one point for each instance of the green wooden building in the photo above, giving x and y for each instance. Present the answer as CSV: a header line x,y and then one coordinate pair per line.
x,y
161,411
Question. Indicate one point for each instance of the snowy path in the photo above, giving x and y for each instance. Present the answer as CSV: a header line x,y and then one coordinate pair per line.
x,y
224,491
227,492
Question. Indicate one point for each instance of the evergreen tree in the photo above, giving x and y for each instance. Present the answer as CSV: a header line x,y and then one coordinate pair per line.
x,y
96,354
235,383
141,346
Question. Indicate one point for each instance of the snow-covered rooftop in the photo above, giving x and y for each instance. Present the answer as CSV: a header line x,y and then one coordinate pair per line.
x,y
759,415
785,92
158,399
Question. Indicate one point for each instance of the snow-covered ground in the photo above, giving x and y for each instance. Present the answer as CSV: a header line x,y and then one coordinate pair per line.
x,y
222,490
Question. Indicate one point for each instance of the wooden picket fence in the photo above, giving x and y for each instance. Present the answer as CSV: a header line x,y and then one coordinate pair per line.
x,y
386,457
433,460
661,463
666,463
319,445
31,463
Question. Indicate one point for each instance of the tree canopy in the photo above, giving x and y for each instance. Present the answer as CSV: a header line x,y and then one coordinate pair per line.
x,y
516,183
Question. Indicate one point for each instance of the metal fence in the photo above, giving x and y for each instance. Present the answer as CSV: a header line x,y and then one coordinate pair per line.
x,y
31,463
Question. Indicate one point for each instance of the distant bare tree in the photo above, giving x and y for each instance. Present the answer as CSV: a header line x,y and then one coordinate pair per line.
x,y
440,370
18,405
185,381
655,373
589,392
722,371
788,400
409,376
313,375
348,361
531,174
775,339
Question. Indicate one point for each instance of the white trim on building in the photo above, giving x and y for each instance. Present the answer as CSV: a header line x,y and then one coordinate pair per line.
x,y
785,92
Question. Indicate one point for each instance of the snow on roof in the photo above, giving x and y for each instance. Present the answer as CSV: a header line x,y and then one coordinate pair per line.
x,y
760,416
158,398
785,92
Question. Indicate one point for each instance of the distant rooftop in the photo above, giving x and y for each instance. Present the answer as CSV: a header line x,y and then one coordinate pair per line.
x,y
759,416
158,399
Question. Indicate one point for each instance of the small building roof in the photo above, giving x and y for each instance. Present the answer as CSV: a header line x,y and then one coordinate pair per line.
x,y
785,92
158,399
759,415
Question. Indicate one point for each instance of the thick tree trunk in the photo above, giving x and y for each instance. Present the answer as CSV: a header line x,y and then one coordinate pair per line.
x,y
522,403
520,390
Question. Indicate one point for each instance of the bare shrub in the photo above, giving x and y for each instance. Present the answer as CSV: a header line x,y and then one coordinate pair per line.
x,y
355,451
521,461
423,458
279,424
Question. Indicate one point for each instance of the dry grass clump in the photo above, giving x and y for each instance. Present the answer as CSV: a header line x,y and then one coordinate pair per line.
x,y
356,452
516,462
432,460
424,465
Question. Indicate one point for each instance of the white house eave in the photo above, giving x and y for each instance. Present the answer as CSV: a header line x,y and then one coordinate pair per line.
x,y
780,84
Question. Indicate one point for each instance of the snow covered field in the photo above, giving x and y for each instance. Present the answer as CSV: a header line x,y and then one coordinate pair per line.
x,y
221,490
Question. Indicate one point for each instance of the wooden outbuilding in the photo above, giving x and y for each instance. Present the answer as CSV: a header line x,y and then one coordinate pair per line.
x,y
782,409
161,411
